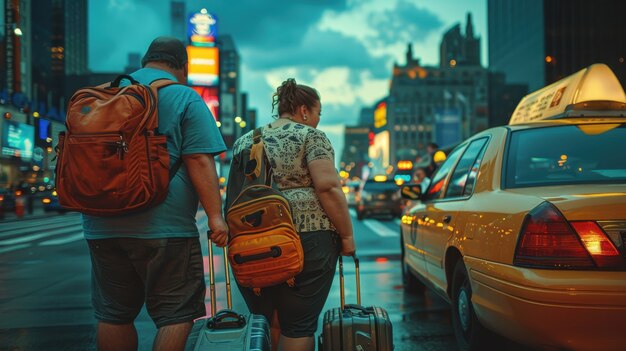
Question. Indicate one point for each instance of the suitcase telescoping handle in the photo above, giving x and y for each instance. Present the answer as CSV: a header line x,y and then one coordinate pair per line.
x,y
229,298
341,283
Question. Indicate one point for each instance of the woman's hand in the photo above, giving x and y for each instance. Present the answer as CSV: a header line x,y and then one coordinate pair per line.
x,y
347,246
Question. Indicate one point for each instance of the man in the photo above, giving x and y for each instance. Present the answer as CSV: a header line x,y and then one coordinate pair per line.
x,y
154,256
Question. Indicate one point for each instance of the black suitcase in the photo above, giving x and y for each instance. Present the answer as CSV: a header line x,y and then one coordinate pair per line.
x,y
227,329
354,327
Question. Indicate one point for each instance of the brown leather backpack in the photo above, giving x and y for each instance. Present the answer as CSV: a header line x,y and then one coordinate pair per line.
x,y
264,247
111,160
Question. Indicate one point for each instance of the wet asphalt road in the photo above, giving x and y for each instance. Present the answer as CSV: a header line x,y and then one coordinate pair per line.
x,y
45,288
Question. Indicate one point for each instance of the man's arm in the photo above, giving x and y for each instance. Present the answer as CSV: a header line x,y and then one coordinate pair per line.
x,y
203,175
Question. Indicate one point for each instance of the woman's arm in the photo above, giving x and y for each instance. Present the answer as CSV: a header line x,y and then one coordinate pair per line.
x,y
328,189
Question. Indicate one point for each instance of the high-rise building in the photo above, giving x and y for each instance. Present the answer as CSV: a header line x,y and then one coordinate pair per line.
x,y
178,20
59,49
459,49
134,62
444,104
16,52
229,89
355,150
537,42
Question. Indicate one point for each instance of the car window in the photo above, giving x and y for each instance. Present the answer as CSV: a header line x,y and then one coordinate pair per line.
x,y
471,177
571,154
458,181
437,184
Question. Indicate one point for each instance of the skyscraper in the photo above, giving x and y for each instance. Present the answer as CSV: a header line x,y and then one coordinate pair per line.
x,y
459,49
59,48
538,42
178,20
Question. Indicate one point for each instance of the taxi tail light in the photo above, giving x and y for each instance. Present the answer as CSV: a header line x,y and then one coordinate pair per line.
x,y
598,244
548,241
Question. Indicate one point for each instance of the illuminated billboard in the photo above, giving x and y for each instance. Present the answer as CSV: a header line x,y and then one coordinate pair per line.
x,y
210,97
202,29
380,115
203,66
18,140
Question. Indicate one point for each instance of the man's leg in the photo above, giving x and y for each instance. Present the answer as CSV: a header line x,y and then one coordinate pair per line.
x,y
117,337
172,337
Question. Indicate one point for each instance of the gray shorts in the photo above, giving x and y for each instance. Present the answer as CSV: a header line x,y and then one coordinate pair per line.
x,y
166,274
299,307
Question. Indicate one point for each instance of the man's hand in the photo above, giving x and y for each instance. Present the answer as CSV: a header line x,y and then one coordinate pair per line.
x,y
218,231
347,246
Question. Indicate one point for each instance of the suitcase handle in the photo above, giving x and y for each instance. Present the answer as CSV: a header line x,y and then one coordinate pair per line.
x,y
226,319
341,283
229,298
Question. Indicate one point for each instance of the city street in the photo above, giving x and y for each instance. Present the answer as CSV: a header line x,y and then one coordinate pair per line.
x,y
45,291
45,301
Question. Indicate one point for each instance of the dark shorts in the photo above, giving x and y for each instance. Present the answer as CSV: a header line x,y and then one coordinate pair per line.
x,y
299,307
165,274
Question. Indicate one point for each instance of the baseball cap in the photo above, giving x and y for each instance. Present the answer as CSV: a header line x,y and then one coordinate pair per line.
x,y
167,49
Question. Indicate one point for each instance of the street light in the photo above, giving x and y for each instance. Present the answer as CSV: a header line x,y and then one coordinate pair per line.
x,y
17,31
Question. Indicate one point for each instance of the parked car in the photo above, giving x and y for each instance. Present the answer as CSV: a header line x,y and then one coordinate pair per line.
x,y
51,203
378,196
351,189
523,227
7,199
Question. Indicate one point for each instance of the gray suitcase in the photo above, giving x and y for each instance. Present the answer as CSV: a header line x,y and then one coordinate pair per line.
x,y
227,329
354,327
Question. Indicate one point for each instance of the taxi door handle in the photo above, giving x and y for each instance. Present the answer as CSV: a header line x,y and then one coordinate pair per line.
x,y
447,219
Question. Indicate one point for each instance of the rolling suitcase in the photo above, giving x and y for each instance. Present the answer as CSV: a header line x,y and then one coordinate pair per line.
x,y
227,329
354,327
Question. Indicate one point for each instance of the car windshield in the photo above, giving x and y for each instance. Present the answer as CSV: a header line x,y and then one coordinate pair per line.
x,y
373,186
573,154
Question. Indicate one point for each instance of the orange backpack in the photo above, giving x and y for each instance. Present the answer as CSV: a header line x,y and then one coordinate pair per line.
x,y
111,160
264,247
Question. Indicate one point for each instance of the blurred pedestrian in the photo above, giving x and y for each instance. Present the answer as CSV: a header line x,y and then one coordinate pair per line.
x,y
154,256
419,177
431,149
303,164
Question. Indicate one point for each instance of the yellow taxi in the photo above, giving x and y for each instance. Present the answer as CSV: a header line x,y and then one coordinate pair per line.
x,y
523,228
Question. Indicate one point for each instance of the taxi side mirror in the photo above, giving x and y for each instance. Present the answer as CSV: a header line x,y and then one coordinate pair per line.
x,y
411,192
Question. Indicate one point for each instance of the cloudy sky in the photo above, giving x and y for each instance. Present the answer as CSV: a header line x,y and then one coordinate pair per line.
x,y
343,48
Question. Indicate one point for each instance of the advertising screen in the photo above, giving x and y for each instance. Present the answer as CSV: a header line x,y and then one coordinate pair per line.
x,y
203,66
202,29
210,97
18,140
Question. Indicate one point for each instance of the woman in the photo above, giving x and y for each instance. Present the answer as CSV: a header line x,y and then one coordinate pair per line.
x,y
302,160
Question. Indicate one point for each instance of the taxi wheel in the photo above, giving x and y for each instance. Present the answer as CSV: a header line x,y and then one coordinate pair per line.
x,y
470,334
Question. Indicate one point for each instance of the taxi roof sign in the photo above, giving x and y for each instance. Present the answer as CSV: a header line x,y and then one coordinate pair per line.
x,y
594,83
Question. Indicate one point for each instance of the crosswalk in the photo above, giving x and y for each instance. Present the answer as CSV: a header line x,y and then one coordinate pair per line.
x,y
66,229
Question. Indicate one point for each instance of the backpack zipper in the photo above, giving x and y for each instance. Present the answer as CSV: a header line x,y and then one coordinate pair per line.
x,y
121,145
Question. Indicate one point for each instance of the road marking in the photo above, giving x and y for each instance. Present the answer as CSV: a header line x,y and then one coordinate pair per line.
x,y
13,248
380,229
61,241
27,238
352,212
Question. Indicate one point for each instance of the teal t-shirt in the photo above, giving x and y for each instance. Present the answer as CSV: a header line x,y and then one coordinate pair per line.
x,y
190,129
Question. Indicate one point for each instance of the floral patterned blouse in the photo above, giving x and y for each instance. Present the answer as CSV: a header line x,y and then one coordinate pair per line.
x,y
290,148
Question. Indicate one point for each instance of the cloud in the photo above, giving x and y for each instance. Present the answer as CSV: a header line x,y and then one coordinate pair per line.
x,y
319,49
268,24
410,23
114,31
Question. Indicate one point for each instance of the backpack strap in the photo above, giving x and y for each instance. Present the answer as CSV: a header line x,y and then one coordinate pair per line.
x,y
257,153
162,82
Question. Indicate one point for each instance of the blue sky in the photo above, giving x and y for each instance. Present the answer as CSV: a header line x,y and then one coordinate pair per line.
x,y
344,48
